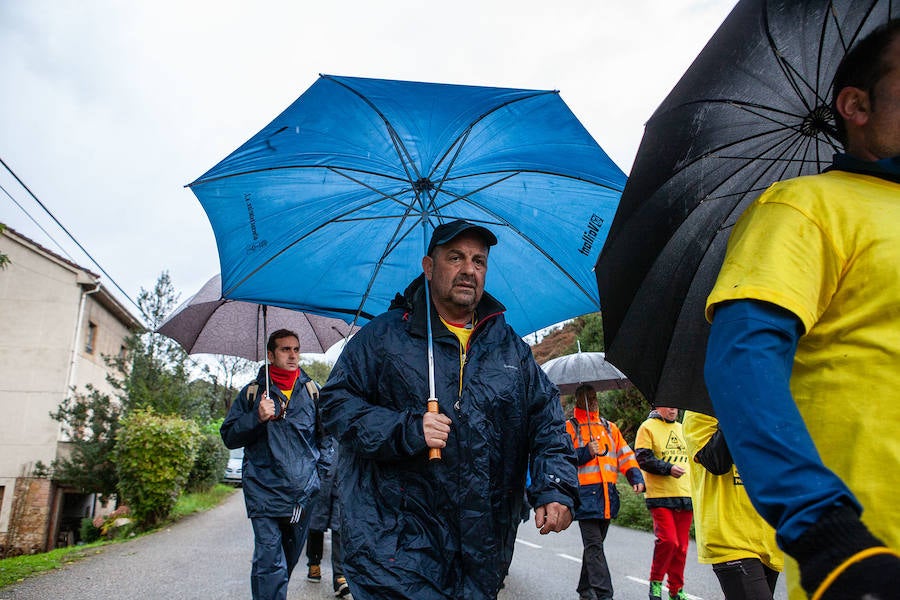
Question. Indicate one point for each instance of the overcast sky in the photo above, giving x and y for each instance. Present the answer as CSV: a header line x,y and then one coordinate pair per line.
x,y
108,108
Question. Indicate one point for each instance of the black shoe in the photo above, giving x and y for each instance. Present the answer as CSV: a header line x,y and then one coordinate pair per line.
x,y
343,590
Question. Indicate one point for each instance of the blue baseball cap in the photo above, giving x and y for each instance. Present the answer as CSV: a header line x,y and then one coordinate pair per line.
x,y
447,231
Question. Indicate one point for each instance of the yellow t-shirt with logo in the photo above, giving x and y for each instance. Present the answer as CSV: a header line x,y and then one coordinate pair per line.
x,y
666,441
727,526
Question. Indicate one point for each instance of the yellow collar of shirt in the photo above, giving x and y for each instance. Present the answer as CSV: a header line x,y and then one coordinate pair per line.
x,y
463,333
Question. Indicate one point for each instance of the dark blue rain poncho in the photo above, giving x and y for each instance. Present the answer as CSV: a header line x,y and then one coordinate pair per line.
x,y
280,457
442,529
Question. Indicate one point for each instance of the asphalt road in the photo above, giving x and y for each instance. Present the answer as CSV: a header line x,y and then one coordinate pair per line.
x,y
207,557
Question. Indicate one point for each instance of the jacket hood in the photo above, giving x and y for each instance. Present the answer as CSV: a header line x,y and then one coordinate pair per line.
x,y
655,415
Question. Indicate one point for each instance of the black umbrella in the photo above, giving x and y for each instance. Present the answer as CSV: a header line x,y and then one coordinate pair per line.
x,y
752,109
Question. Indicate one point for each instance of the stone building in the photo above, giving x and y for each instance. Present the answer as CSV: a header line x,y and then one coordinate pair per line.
x,y
57,322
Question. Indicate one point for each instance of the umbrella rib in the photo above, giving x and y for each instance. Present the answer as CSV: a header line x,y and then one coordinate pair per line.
x,y
297,240
713,151
291,167
761,111
389,247
384,195
400,148
458,143
771,163
512,173
478,119
787,70
505,223
406,161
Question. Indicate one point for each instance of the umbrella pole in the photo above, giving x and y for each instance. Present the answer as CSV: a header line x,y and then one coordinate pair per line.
x,y
433,453
265,348
432,405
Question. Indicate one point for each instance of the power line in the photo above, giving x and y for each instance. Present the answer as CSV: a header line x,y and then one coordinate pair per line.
x,y
72,237
38,225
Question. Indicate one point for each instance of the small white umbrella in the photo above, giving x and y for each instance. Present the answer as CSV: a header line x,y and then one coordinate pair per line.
x,y
572,370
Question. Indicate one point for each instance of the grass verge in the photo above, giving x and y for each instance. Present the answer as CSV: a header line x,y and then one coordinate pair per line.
x,y
17,568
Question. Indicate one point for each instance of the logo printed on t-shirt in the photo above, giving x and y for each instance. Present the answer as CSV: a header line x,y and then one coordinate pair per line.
x,y
674,443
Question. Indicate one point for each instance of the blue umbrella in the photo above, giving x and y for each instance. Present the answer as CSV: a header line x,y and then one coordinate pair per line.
x,y
330,207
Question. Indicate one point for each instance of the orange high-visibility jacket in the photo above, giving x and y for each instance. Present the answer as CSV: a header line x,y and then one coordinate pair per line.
x,y
597,475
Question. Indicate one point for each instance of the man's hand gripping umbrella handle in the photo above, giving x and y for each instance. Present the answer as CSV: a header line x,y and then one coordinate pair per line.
x,y
433,453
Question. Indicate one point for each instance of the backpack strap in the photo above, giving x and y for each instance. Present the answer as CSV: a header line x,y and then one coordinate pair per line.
x,y
251,392
313,390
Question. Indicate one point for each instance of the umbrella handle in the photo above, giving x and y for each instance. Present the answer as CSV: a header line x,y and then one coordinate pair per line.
x,y
433,453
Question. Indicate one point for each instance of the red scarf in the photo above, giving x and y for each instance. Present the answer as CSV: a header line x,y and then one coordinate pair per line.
x,y
283,378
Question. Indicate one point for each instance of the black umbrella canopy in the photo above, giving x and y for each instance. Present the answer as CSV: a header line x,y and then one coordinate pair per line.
x,y
753,108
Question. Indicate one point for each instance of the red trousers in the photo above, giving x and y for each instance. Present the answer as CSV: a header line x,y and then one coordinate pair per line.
x,y
672,529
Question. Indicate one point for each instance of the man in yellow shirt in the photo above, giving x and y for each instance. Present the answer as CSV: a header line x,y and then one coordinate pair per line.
x,y
804,348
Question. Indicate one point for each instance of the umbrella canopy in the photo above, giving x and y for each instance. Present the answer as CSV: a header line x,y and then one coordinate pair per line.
x,y
330,207
207,323
752,109
572,370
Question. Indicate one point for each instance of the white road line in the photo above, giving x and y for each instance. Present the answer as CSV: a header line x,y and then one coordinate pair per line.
x,y
647,583
578,560
572,558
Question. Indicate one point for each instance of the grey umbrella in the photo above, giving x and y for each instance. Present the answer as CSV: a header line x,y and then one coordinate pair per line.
x,y
208,323
570,371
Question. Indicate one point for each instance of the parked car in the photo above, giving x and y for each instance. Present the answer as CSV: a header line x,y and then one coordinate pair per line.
x,y
233,471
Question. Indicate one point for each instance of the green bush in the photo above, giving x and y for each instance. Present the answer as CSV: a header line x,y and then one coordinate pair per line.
x,y
633,512
87,533
154,456
210,463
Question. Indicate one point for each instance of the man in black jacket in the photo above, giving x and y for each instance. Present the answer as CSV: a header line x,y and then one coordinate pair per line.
x,y
444,529
275,421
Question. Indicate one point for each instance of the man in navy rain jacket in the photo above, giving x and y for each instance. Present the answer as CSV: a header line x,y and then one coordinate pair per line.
x,y
282,459
444,529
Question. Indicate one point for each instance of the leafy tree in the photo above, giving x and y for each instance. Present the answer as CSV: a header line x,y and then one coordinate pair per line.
x,y
91,420
227,375
156,370
591,333
318,371
627,408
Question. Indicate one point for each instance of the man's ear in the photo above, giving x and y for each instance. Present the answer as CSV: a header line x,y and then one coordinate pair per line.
x,y
854,106
427,266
